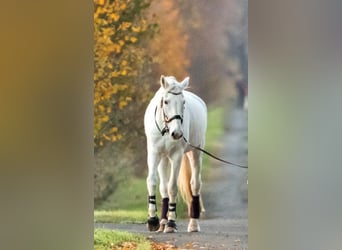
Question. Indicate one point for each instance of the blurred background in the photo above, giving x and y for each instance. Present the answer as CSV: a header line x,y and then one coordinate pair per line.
x,y
137,41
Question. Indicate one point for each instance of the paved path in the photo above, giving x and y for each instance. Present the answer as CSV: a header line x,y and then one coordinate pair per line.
x,y
225,222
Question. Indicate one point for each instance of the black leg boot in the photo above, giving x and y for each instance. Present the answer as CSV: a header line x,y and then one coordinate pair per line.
x,y
163,214
153,222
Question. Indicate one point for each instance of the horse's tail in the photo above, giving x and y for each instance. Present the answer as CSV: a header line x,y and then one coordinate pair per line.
x,y
184,182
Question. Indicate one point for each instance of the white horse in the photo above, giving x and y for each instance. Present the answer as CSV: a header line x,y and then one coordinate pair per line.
x,y
174,113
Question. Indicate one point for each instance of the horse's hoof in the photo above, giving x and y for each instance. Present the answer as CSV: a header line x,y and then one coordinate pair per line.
x,y
162,225
170,227
193,226
153,223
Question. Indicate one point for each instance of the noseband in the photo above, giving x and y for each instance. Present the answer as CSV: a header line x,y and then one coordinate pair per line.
x,y
175,117
166,118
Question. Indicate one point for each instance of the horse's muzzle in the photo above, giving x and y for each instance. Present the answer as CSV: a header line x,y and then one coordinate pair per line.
x,y
176,136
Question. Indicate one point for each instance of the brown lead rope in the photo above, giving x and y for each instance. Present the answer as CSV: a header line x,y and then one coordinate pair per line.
x,y
213,156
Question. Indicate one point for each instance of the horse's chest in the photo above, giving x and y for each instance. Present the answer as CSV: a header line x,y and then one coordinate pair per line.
x,y
166,146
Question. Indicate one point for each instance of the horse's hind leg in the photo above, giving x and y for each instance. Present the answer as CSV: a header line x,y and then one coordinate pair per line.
x,y
195,159
153,160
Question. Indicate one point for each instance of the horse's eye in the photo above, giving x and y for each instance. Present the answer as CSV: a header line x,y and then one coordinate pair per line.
x,y
166,102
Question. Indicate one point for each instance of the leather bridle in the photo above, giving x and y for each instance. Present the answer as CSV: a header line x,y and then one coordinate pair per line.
x,y
166,119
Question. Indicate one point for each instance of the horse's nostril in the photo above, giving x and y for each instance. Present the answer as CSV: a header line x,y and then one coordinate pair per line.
x,y
176,135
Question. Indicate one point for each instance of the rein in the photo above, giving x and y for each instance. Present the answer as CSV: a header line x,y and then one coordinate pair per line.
x,y
166,130
213,156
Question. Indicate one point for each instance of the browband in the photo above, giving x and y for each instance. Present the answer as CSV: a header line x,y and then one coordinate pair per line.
x,y
175,93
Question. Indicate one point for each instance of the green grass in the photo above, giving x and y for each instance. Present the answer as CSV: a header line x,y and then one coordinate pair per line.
x,y
109,239
128,204
215,130
215,125
130,195
121,216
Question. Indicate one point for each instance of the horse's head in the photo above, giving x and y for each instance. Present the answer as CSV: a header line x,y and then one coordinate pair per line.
x,y
172,104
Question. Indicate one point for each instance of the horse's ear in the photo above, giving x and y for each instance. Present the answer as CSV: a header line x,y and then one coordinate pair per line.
x,y
185,82
163,82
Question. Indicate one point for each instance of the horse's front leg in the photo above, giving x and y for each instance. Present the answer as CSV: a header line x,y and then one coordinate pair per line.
x,y
163,179
172,191
153,159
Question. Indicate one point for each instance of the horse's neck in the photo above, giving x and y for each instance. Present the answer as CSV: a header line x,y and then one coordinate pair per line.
x,y
159,115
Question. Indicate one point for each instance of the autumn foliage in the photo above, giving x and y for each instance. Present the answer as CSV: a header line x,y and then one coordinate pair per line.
x,y
120,56
170,45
